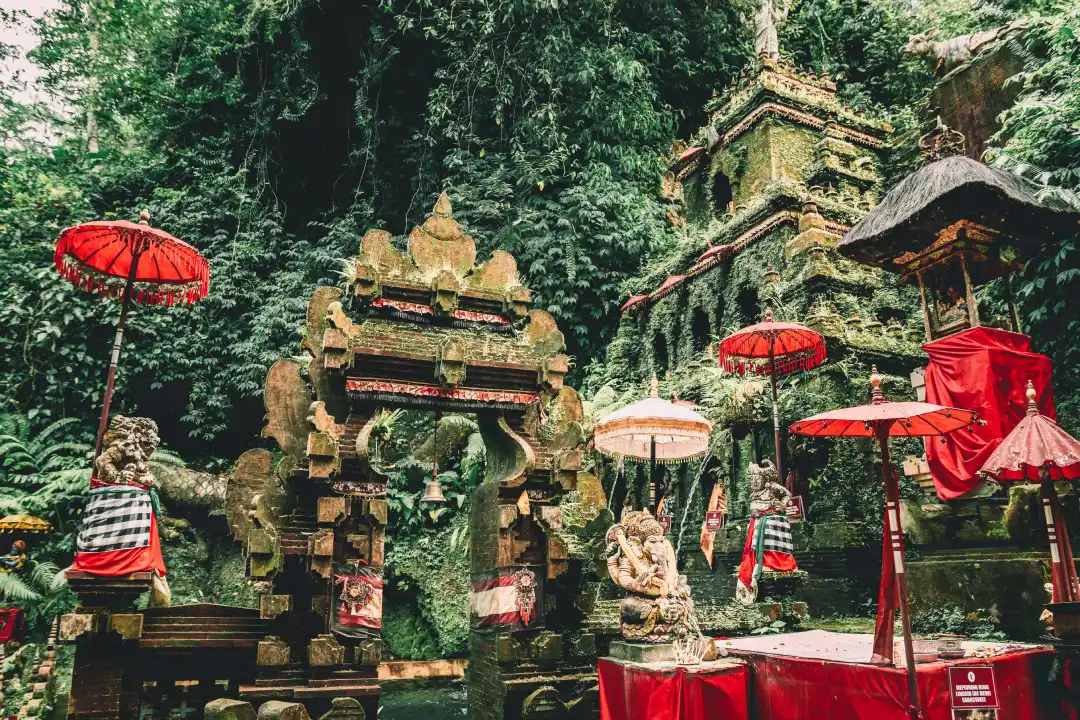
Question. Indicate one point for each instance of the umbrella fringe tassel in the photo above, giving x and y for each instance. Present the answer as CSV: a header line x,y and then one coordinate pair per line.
x,y
807,360
147,292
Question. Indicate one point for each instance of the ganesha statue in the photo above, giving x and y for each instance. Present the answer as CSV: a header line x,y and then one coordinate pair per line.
x,y
768,538
641,560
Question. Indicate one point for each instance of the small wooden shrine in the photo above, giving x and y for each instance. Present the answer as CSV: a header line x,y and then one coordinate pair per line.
x,y
953,226
426,328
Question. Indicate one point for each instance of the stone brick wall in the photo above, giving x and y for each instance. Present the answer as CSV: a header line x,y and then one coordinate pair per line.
x,y
487,692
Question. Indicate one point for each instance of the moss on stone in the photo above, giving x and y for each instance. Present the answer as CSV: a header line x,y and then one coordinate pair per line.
x,y
205,565
434,565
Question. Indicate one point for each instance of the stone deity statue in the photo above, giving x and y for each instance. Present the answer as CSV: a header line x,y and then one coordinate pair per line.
x,y
128,444
641,560
119,534
769,12
766,492
768,547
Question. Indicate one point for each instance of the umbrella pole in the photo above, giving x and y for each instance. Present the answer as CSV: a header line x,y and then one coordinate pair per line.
x,y
652,473
1062,574
892,507
776,419
110,382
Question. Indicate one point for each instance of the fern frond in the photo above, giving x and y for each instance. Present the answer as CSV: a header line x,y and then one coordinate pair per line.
x,y
58,581
67,448
24,479
43,574
167,457
59,462
10,505
13,589
39,440
475,451
458,422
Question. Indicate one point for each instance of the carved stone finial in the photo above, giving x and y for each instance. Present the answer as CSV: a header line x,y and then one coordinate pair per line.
x,y
442,206
653,385
144,217
768,315
875,384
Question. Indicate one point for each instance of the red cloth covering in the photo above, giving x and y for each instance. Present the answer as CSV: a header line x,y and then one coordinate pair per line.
x,y
986,370
788,688
9,623
635,692
771,559
115,563
888,600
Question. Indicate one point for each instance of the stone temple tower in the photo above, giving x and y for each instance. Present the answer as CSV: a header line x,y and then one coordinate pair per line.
x,y
759,198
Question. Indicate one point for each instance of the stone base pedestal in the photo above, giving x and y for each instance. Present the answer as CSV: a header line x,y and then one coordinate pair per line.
x,y
636,652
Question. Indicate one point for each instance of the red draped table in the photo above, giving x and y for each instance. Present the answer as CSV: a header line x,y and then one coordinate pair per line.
x,y
818,674
665,691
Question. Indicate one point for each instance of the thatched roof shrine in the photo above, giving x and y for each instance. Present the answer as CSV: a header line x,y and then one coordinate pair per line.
x,y
943,193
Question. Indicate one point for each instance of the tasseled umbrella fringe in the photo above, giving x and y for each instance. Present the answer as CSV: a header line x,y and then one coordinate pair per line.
x,y
805,360
148,293
659,461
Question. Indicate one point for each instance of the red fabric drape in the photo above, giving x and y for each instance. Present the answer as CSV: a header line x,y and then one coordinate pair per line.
x,y
116,563
9,623
785,688
887,602
629,692
982,369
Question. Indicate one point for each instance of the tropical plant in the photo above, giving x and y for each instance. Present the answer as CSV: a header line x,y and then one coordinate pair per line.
x,y
42,591
28,458
1040,139
46,472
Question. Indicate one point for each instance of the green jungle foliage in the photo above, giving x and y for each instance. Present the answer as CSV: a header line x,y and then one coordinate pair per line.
x,y
272,133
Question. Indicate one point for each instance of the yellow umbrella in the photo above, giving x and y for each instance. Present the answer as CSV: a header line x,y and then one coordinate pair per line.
x,y
25,523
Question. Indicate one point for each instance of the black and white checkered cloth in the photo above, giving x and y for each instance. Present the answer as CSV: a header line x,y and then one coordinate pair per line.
x,y
115,519
776,534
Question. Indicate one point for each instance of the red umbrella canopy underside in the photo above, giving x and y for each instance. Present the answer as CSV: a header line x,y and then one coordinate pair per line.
x,y
904,419
1035,442
98,256
794,347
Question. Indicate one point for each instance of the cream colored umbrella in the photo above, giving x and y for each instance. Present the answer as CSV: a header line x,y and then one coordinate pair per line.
x,y
654,429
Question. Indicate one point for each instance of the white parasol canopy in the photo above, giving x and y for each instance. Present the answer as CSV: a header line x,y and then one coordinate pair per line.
x,y
679,433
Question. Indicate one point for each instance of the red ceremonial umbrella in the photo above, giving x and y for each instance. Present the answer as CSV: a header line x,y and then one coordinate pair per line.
x,y
131,261
882,419
1040,451
786,346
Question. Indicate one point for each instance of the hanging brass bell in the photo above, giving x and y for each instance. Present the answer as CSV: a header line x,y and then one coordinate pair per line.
x,y
433,492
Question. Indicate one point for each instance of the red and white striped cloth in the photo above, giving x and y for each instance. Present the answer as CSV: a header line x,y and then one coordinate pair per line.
x,y
507,598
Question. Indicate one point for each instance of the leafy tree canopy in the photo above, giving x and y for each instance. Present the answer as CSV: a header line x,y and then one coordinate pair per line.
x,y
272,133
